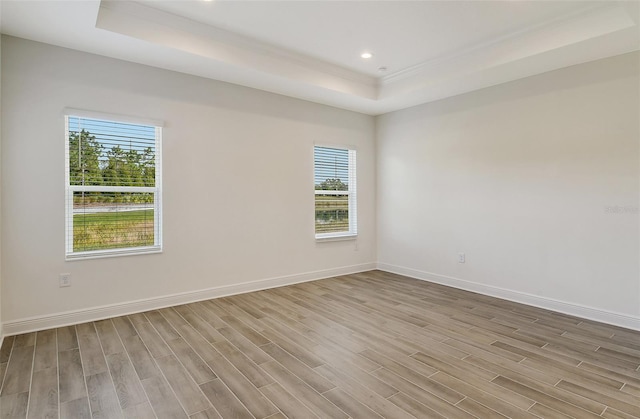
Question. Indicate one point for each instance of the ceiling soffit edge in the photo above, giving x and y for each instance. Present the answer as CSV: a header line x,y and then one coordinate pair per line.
x,y
569,28
165,29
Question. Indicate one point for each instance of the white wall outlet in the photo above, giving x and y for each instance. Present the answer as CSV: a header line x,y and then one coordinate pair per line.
x,y
65,280
460,257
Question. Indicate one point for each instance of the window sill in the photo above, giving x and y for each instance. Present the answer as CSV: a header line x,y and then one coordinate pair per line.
x,y
99,254
336,237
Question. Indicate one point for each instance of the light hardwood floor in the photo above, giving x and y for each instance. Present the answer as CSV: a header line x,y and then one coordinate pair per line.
x,y
367,345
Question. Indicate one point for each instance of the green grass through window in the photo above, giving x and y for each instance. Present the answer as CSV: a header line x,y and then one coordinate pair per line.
x,y
113,230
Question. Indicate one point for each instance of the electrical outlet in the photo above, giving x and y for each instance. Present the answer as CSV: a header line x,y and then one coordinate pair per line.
x,y
65,280
460,257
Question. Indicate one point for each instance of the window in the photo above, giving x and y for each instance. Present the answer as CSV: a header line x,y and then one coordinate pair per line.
x,y
335,192
113,186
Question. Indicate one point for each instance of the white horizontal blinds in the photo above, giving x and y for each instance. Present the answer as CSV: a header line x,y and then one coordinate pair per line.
x,y
353,213
335,186
113,194
111,153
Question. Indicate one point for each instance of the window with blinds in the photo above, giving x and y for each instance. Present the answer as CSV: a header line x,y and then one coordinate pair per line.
x,y
113,192
335,192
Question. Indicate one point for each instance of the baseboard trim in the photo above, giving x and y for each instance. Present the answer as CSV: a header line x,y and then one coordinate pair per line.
x,y
591,313
32,324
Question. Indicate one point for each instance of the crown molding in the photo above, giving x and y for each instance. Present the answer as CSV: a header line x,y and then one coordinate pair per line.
x,y
136,31
176,32
577,26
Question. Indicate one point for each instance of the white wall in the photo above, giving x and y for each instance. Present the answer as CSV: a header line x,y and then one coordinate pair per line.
x,y
1,331
518,177
238,182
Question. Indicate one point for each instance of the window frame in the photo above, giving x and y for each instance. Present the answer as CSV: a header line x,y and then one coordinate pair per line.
x,y
351,193
157,247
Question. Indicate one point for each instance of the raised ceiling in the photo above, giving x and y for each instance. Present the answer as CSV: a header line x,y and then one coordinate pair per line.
x,y
311,49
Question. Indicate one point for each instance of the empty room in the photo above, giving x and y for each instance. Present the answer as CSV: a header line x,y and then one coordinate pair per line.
x,y
319,209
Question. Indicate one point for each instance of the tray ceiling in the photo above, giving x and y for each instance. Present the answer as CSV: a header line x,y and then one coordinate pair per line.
x,y
311,49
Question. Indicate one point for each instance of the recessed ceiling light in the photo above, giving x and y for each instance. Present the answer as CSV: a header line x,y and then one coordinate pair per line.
x,y
366,55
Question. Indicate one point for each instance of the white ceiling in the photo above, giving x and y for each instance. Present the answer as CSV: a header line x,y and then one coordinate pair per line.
x,y
311,49
400,33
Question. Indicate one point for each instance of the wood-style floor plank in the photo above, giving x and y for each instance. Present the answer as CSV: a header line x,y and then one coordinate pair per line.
x,y
18,376
442,399
3,369
109,338
93,361
46,350
163,328
71,376
301,370
497,402
187,391
162,399
205,329
5,349
364,395
245,345
127,383
368,345
102,396
246,366
197,368
139,411
349,405
298,388
14,405
27,339
140,357
43,400
208,414
78,408
248,394
414,407
154,343
544,398
224,400
67,338
286,402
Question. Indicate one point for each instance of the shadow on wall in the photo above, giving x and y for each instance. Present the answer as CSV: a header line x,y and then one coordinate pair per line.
x,y
555,81
117,75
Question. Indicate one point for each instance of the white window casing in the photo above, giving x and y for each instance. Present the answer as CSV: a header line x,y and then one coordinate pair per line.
x,y
113,178
335,188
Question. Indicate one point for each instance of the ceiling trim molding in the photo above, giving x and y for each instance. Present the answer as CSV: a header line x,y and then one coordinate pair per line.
x,y
614,15
139,32
169,30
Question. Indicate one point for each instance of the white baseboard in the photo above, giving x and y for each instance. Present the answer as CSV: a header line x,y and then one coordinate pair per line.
x,y
599,315
32,324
